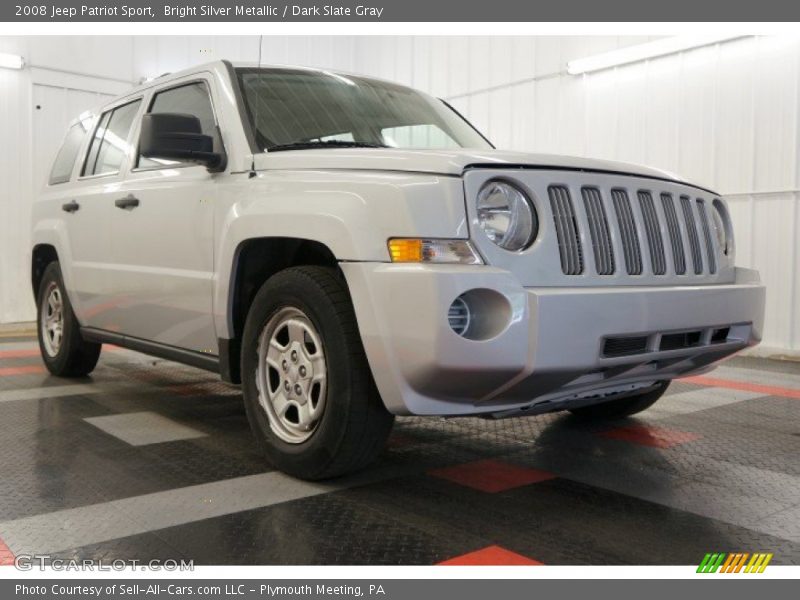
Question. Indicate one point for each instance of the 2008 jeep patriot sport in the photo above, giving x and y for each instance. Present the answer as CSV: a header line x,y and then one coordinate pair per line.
x,y
350,249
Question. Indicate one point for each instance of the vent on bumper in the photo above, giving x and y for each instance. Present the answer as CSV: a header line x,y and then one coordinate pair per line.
x,y
676,341
671,341
624,346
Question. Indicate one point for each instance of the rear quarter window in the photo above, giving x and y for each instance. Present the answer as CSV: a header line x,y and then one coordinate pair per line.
x,y
67,155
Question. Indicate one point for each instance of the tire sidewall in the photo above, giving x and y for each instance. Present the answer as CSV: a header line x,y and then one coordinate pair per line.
x,y
57,363
319,450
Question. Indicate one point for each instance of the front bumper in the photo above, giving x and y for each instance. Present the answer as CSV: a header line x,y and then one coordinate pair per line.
x,y
552,353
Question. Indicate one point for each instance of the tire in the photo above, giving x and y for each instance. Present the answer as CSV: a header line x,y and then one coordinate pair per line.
x,y
64,352
623,407
335,422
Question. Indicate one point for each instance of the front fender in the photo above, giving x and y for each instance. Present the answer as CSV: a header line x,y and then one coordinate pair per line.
x,y
353,213
53,232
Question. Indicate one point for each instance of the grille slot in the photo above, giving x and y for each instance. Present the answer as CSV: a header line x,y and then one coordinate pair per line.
x,y
678,256
624,346
569,242
627,226
701,208
653,230
598,228
676,341
719,336
691,228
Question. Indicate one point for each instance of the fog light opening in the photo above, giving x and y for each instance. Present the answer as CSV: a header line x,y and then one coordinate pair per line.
x,y
479,314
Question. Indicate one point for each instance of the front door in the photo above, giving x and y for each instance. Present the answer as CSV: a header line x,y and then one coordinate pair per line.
x,y
162,237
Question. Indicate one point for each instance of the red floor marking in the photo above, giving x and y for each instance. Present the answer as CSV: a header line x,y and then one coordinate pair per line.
x,y
31,352
187,389
491,475
398,440
8,371
6,556
655,437
491,555
767,390
19,353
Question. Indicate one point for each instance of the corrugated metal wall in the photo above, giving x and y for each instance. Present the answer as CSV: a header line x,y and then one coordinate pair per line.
x,y
725,116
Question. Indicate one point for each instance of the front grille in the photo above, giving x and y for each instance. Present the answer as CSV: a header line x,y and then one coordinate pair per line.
x,y
633,231
651,226
569,241
598,228
712,263
694,241
627,226
675,239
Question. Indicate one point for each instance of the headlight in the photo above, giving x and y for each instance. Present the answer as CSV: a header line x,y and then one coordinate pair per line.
x,y
720,228
507,216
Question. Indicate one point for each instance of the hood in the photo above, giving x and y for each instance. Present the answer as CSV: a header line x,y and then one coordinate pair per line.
x,y
443,162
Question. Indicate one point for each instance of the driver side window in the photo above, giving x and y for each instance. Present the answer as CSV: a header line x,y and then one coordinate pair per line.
x,y
189,99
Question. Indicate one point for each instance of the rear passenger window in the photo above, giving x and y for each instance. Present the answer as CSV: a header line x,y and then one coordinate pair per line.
x,y
67,154
189,99
109,145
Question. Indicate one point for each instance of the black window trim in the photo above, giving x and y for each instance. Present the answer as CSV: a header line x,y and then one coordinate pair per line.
x,y
108,109
166,88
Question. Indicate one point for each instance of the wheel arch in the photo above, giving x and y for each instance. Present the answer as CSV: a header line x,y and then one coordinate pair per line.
x,y
255,260
41,256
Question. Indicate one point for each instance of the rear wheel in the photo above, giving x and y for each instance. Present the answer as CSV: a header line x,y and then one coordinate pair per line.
x,y
64,352
309,393
623,407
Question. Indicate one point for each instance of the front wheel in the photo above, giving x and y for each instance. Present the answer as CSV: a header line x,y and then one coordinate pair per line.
x,y
64,352
622,407
308,390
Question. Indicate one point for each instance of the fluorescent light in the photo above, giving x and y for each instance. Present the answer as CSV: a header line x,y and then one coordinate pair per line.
x,y
639,52
11,61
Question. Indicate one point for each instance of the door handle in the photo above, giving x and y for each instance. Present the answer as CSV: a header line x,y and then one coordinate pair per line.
x,y
70,206
129,201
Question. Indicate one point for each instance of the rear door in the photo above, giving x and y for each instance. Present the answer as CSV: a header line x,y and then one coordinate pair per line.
x,y
88,217
163,240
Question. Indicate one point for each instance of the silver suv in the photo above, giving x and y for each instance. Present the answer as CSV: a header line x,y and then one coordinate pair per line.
x,y
350,249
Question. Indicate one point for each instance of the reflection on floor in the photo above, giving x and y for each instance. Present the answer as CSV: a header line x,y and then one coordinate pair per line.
x,y
152,460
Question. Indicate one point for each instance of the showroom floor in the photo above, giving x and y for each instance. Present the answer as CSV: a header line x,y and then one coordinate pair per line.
x,y
152,460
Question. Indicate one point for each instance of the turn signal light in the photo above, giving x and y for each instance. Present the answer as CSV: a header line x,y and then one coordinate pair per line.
x,y
412,250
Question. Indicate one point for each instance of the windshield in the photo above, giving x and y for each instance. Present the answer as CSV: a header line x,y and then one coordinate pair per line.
x,y
291,109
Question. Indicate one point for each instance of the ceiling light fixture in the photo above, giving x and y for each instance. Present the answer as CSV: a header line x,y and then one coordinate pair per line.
x,y
11,61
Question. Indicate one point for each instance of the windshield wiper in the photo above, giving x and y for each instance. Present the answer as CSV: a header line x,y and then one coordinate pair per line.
x,y
323,144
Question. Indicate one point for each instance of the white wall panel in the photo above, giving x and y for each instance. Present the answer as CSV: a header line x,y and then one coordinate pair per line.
x,y
15,172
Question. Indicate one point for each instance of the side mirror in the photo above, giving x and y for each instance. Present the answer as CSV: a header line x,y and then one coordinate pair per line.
x,y
176,136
